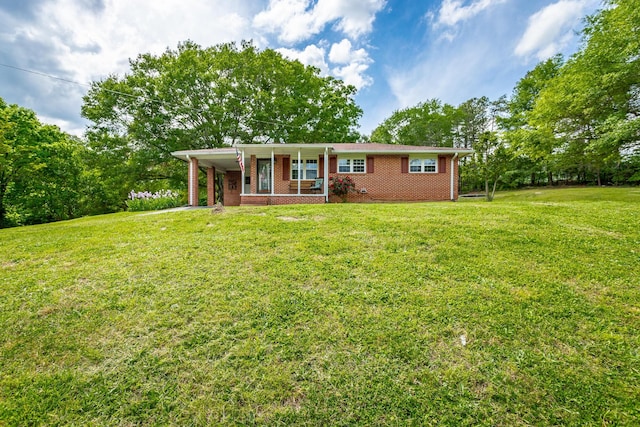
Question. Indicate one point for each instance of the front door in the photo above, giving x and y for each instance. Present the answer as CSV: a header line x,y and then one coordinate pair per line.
x,y
264,175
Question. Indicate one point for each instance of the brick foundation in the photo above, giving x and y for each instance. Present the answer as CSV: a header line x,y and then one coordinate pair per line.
x,y
280,200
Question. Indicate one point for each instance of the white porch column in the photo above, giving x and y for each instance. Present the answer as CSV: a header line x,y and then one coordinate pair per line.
x,y
326,174
299,171
193,181
273,176
242,171
453,159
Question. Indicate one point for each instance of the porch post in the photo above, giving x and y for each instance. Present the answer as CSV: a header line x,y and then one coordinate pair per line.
x,y
326,174
299,171
193,181
211,186
273,173
452,175
242,174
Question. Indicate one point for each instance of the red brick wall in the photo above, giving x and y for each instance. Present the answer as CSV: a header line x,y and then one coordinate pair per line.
x,y
389,183
254,174
211,186
280,186
232,185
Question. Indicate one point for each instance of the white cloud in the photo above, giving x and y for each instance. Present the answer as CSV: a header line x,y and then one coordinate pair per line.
x,y
341,53
453,11
71,127
352,64
91,44
290,18
354,74
298,20
311,55
551,29
72,40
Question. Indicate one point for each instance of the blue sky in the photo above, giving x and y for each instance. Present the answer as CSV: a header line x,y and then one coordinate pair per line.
x,y
396,52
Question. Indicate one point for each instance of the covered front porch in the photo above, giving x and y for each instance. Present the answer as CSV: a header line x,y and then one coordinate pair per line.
x,y
260,174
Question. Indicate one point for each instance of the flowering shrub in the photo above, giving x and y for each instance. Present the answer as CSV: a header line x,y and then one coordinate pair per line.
x,y
341,186
147,201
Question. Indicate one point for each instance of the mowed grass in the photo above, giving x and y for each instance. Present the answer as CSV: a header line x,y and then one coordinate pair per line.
x,y
524,311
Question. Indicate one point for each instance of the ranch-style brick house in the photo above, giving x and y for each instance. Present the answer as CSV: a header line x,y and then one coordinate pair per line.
x,y
275,174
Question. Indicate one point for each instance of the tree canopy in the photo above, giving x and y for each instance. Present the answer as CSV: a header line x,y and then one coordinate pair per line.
x,y
589,111
428,123
41,170
576,120
194,97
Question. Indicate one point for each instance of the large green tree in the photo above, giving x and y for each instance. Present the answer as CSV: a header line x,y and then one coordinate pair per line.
x,y
592,106
42,172
532,146
427,123
474,120
194,97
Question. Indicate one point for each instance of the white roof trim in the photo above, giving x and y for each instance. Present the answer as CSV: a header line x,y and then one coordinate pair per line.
x,y
337,148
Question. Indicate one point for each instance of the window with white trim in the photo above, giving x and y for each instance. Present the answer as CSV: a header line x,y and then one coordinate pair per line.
x,y
308,169
351,166
422,165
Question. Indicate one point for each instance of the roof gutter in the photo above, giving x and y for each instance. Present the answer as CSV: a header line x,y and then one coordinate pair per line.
x,y
416,151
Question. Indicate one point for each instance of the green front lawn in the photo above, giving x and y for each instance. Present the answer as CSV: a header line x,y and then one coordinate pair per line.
x,y
524,311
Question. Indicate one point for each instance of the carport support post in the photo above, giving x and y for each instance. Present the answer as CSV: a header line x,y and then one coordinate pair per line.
x,y
242,169
453,169
299,171
325,174
211,186
193,181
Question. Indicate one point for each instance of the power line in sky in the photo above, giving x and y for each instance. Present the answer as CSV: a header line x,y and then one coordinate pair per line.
x,y
51,76
38,73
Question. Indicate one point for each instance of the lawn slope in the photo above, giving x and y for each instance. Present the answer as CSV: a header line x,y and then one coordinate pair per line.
x,y
524,311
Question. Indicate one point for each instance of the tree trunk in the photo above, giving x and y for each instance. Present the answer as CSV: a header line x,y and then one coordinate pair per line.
x,y
488,195
493,191
550,178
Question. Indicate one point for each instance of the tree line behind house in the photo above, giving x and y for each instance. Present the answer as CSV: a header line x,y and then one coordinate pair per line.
x,y
573,120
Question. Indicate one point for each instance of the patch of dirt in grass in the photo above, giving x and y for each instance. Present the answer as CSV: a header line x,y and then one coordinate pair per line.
x,y
295,401
594,292
548,203
45,311
594,231
290,218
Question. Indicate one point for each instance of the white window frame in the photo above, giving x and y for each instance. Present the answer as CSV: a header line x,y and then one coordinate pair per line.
x,y
350,164
294,168
423,164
